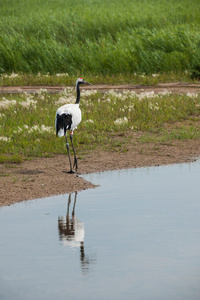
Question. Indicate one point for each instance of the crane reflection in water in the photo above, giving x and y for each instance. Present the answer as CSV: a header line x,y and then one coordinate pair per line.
x,y
72,233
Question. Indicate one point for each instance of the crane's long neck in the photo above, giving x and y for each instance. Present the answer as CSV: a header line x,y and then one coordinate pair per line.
x,y
77,94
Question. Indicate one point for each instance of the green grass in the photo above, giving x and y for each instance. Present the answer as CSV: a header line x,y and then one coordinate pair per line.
x,y
109,122
66,80
99,36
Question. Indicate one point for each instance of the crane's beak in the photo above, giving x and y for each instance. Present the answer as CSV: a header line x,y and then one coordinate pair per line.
x,y
85,82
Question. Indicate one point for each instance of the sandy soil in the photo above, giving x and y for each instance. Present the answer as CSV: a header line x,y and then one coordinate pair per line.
x,y
43,177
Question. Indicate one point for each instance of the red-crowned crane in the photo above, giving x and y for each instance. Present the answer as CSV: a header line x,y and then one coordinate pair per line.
x,y
68,117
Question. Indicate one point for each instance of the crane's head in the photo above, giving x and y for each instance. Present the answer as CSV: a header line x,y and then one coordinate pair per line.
x,y
80,80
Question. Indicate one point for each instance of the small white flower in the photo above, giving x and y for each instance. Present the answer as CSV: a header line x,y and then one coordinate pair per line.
x,y
41,91
144,95
192,95
164,93
28,102
7,103
62,74
88,92
46,128
89,121
13,75
36,127
131,107
65,100
40,129
4,139
121,121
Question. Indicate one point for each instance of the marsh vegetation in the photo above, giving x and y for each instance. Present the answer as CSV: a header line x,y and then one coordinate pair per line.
x,y
53,42
99,37
27,121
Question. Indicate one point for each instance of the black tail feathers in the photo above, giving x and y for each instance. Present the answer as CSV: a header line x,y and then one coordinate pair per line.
x,y
63,121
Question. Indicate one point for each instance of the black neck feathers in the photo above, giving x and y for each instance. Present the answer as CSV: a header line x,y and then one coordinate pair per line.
x,y
77,93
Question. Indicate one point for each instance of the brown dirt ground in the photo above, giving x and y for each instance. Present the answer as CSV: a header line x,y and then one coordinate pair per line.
x,y
173,87
41,177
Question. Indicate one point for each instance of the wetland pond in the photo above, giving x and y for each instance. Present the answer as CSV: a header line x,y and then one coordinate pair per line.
x,y
136,236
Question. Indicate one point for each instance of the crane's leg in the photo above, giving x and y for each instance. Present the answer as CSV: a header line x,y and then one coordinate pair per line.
x,y
67,145
73,211
75,159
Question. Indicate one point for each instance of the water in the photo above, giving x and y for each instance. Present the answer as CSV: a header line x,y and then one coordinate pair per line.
x,y
137,236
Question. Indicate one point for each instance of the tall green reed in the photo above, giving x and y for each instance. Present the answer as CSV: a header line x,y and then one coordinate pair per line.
x,y
106,37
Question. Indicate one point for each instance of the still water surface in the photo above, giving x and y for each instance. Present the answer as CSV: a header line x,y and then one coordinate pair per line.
x,y
136,236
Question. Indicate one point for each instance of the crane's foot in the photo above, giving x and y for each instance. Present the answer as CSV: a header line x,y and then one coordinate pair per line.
x,y
70,172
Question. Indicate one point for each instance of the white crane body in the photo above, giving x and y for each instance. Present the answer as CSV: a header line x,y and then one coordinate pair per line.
x,y
74,111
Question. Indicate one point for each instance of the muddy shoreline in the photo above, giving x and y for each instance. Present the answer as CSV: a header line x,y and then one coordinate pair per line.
x,y
42,177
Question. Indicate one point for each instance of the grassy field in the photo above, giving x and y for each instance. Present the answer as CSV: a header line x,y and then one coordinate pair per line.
x,y
109,121
120,41
99,37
